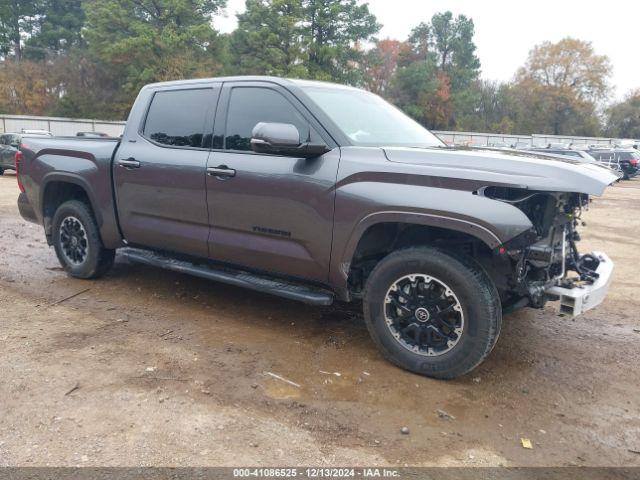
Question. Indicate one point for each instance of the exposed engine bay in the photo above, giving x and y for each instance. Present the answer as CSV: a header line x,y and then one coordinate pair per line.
x,y
546,255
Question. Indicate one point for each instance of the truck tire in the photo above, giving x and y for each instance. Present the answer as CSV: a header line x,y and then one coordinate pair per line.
x,y
77,242
1,171
432,312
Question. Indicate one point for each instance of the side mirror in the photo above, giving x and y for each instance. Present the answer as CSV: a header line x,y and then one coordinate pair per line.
x,y
283,139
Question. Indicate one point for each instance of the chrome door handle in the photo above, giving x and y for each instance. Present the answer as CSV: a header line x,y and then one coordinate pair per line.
x,y
221,171
129,163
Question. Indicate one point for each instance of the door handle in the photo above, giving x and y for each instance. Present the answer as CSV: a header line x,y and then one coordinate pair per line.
x,y
221,171
129,163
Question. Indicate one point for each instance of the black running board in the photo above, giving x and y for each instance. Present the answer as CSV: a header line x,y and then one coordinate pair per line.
x,y
281,288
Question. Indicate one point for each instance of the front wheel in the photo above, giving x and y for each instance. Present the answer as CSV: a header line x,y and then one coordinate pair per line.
x,y
77,241
432,312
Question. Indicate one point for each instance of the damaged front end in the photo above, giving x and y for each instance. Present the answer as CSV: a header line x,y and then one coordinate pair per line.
x,y
546,263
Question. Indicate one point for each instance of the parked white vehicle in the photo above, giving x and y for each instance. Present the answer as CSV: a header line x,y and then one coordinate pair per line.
x,y
28,131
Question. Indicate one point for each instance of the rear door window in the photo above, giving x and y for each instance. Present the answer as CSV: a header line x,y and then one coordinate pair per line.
x,y
177,117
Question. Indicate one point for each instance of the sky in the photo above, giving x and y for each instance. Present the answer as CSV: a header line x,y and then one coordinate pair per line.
x,y
507,29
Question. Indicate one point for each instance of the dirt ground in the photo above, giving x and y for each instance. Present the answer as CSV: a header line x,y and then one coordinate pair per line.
x,y
149,367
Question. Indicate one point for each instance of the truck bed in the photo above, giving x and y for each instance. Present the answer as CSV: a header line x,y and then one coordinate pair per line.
x,y
87,161
100,147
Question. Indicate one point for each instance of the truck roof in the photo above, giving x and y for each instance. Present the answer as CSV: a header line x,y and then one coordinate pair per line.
x,y
248,78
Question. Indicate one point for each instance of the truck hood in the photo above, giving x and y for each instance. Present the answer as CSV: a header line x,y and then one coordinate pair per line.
x,y
507,167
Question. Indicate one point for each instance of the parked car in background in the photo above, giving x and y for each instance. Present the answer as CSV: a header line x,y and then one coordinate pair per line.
x,y
580,155
9,144
623,159
572,154
92,134
626,143
29,131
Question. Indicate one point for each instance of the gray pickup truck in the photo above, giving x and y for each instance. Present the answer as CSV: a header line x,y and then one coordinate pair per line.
x,y
320,192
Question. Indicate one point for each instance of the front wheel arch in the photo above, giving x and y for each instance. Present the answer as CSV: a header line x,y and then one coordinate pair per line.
x,y
376,238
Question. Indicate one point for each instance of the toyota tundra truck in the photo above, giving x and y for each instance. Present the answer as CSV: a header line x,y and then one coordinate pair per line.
x,y
319,193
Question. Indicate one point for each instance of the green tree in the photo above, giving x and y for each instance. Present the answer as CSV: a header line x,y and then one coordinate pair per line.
x,y
18,20
90,88
623,118
419,89
332,34
452,41
268,40
539,109
58,29
559,89
419,43
303,38
492,109
569,65
144,41
437,71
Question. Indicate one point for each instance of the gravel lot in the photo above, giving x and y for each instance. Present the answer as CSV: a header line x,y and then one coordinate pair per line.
x,y
149,367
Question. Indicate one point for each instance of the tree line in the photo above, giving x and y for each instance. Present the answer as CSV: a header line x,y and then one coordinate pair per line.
x,y
89,58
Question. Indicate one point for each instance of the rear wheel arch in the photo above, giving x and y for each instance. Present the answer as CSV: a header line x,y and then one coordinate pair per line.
x,y
58,189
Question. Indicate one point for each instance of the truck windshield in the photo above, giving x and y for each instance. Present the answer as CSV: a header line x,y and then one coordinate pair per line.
x,y
368,120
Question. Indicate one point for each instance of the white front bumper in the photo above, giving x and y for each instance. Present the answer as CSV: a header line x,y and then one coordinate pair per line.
x,y
577,300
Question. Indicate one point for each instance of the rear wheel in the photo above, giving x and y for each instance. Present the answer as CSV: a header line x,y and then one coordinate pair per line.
x,y
77,241
1,171
431,312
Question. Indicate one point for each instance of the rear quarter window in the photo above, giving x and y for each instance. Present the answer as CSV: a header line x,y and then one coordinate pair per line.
x,y
177,117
